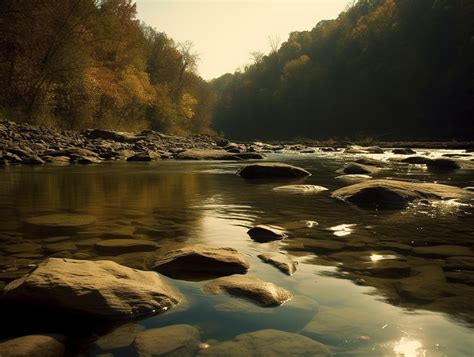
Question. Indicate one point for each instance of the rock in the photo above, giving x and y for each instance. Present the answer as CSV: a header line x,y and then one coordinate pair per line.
x,y
60,247
444,251
265,233
307,151
101,289
33,346
406,151
374,150
111,135
442,165
62,220
250,156
280,261
394,194
469,188
358,169
22,248
121,246
267,343
206,154
371,162
354,149
174,340
197,260
264,293
120,337
142,156
353,178
426,286
57,159
272,171
300,189
416,160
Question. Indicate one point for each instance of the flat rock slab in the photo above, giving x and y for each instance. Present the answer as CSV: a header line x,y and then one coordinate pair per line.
x,y
272,171
353,178
266,233
63,220
195,260
33,346
280,261
99,289
305,189
267,343
262,292
122,246
394,194
175,340
444,251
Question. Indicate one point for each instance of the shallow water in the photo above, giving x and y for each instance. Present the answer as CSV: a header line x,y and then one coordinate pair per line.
x,y
340,299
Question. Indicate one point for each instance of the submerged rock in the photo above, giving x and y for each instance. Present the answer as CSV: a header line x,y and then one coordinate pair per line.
x,y
280,261
33,346
120,337
101,289
395,194
300,189
175,340
262,292
267,343
272,170
121,246
197,260
266,233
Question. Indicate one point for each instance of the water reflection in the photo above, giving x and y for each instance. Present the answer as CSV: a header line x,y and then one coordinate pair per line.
x,y
407,347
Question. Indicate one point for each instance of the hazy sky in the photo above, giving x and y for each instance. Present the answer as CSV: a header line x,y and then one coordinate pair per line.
x,y
224,32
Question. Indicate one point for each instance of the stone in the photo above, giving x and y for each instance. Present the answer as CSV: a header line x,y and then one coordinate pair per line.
x,y
33,346
366,161
31,248
416,160
62,220
99,289
120,337
272,171
280,261
264,293
358,169
266,233
121,246
206,154
441,251
353,178
250,156
60,247
142,156
394,194
174,340
195,260
310,189
442,165
405,151
374,150
111,135
272,343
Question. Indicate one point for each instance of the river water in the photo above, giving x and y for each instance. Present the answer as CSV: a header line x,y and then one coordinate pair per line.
x,y
340,300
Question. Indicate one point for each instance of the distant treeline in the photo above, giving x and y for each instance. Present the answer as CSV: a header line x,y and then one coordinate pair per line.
x,y
91,63
387,69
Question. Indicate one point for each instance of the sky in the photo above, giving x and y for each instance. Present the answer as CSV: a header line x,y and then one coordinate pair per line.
x,y
224,33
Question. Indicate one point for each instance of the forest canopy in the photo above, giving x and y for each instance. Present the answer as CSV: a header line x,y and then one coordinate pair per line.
x,y
90,63
384,69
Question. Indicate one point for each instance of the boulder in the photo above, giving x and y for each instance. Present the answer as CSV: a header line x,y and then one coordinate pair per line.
x,y
272,171
359,169
267,343
207,154
374,150
371,162
197,261
300,189
122,246
280,261
174,340
416,160
442,165
264,293
33,346
394,194
111,135
353,178
266,233
141,157
403,151
98,289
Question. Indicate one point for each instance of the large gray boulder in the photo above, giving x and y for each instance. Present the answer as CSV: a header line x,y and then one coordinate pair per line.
x,y
271,343
195,260
175,340
395,194
99,289
269,170
262,292
33,346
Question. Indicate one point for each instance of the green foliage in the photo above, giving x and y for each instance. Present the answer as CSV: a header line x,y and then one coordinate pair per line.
x,y
90,63
386,69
